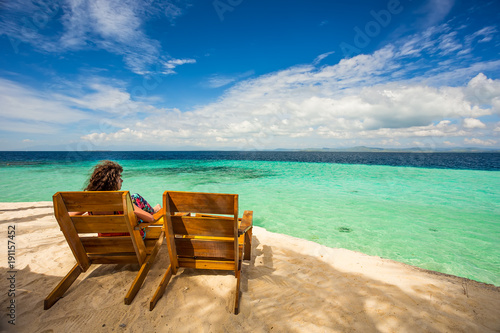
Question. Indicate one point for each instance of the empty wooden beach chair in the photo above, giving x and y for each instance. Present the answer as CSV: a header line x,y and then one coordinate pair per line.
x,y
88,248
203,232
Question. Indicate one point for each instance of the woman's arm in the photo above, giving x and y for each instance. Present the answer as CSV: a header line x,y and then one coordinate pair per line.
x,y
143,215
76,213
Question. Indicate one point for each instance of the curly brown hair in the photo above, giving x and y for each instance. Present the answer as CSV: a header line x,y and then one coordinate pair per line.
x,y
105,177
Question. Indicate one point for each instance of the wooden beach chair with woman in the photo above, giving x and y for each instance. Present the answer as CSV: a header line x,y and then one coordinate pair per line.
x,y
84,236
203,232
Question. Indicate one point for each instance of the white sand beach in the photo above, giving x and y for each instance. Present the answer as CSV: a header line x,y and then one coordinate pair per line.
x,y
290,285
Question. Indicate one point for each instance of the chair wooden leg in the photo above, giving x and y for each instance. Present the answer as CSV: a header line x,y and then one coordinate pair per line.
x,y
61,288
143,272
237,294
248,245
161,288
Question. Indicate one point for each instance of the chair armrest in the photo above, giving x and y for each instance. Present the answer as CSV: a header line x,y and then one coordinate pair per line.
x,y
157,216
246,222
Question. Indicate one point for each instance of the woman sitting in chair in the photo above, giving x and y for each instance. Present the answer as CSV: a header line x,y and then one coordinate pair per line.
x,y
107,177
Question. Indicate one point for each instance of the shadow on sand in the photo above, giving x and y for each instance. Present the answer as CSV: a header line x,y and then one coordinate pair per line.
x,y
282,290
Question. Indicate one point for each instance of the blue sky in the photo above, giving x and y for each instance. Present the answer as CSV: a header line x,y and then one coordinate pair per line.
x,y
241,74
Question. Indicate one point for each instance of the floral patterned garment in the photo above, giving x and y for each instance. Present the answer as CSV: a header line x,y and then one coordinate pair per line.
x,y
140,202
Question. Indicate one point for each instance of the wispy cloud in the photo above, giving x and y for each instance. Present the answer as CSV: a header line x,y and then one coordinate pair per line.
x,y
435,11
321,57
217,80
171,64
116,26
172,11
31,111
483,35
95,104
26,104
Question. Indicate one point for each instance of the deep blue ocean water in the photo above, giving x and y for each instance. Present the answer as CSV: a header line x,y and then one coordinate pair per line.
x,y
439,211
470,161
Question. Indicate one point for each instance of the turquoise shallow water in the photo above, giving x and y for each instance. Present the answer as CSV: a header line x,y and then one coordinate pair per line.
x,y
439,219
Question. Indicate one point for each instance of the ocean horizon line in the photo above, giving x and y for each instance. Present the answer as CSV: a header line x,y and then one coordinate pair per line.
x,y
355,149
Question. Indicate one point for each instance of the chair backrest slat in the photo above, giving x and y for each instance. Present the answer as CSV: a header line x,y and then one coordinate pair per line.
x,y
88,201
202,226
100,224
204,248
108,245
195,202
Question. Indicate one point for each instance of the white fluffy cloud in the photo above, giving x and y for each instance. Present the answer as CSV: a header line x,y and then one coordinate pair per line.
x,y
479,142
473,123
483,91
280,110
